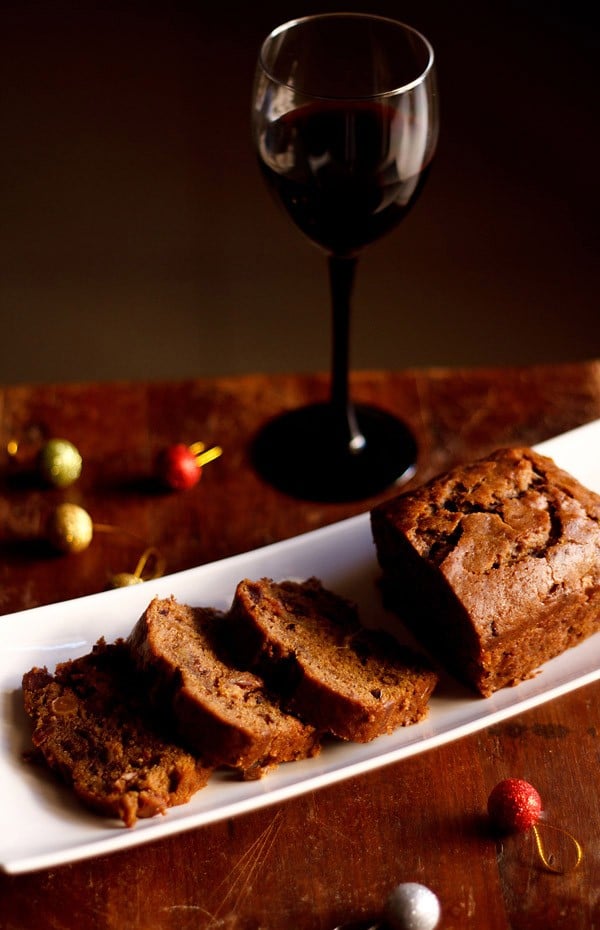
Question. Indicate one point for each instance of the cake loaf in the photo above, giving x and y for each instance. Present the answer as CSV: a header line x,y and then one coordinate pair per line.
x,y
495,565
222,713
91,726
309,644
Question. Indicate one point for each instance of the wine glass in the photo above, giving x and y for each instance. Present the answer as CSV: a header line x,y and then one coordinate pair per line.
x,y
345,126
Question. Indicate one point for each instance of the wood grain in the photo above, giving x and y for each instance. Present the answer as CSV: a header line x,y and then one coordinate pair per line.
x,y
334,855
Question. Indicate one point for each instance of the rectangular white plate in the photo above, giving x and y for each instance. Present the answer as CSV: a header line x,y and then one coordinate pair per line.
x,y
43,825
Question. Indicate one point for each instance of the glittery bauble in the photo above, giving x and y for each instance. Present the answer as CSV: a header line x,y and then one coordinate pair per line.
x,y
178,468
125,580
514,805
70,528
59,462
412,906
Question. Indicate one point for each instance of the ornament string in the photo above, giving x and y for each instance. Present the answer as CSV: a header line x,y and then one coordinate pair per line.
x,y
203,455
179,466
543,855
112,528
515,806
150,555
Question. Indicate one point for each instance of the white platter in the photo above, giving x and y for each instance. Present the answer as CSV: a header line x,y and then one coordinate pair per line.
x,y
43,825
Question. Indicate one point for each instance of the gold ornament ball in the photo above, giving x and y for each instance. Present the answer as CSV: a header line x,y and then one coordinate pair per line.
x,y
59,462
70,528
125,580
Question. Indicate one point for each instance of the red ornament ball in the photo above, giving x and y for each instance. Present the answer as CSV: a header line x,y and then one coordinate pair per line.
x,y
178,467
514,805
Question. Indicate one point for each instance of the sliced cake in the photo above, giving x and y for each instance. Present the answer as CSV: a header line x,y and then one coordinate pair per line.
x,y
309,645
92,727
224,714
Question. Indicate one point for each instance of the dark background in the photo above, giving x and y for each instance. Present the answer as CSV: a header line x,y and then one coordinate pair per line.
x,y
137,239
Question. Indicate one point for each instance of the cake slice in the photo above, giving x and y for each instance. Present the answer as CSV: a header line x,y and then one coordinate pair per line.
x,y
309,644
224,714
91,726
495,565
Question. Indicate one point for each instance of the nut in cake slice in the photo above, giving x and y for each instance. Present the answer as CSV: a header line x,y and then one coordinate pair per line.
x,y
310,646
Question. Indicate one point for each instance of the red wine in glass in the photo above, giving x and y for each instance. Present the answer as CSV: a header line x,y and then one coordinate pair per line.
x,y
345,126
341,201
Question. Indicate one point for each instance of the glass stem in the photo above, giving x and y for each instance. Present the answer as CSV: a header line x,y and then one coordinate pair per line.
x,y
341,281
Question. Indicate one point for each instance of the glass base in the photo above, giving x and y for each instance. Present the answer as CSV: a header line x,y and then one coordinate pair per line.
x,y
302,454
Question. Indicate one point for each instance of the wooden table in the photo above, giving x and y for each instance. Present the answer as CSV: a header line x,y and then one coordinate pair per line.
x,y
331,856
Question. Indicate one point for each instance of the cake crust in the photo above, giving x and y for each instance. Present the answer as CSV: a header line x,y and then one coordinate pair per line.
x,y
495,566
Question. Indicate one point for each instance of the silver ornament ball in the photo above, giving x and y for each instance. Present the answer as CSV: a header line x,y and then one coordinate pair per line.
x,y
412,906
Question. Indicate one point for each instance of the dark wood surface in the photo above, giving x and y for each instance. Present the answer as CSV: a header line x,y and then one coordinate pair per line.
x,y
334,855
